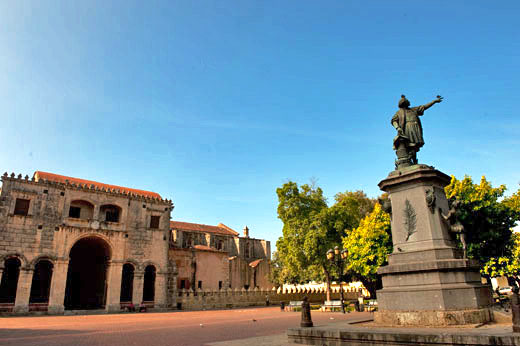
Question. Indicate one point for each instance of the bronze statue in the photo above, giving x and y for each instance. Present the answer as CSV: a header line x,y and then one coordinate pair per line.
x,y
409,139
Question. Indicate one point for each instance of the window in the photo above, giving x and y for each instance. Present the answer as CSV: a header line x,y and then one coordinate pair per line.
x,y
220,245
199,285
75,212
220,285
112,215
21,207
111,212
183,284
154,221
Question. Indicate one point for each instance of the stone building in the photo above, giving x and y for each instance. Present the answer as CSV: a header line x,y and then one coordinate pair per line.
x,y
216,257
68,243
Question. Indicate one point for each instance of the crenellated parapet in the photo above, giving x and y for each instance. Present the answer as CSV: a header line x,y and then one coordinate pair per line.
x,y
91,188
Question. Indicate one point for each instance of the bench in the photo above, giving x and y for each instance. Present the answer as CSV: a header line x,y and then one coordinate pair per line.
x,y
127,306
38,306
371,305
330,305
6,307
293,305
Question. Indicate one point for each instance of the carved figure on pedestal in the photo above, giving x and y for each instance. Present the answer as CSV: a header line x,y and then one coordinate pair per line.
x,y
409,139
386,205
452,222
430,199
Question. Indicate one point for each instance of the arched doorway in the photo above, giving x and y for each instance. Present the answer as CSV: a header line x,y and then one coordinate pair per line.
x,y
9,282
41,282
86,277
127,283
149,284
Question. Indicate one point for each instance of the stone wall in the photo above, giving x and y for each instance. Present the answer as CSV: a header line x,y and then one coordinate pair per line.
x,y
207,299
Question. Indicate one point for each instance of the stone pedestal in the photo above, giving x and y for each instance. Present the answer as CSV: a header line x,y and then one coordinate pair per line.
x,y
427,282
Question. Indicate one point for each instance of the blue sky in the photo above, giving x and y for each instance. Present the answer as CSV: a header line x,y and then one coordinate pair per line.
x,y
215,104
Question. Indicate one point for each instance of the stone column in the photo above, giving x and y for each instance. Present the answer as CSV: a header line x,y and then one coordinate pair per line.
x,y
1,273
115,273
160,290
137,294
58,286
23,291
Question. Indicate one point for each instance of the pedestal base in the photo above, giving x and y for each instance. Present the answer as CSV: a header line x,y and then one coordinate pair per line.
x,y
433,318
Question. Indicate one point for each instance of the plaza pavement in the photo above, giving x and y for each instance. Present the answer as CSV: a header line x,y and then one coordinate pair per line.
x,y
252,326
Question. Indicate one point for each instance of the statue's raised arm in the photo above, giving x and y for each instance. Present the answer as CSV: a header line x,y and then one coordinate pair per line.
x,y
409,139
437,100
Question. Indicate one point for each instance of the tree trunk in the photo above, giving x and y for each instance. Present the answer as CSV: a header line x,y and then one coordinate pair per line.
x,y
371,287
327,278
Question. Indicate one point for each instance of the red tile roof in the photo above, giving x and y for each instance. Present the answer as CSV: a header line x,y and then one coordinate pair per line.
x,y
61,179
255,263
187,226
205,248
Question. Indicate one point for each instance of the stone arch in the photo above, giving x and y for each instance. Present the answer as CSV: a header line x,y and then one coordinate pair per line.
x,y
24,263
89,235
127,282
133,262
9,284
145,264
86,286
41,280
43,257
150,275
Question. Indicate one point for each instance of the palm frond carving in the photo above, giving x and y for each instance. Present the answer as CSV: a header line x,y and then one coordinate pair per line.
x,y
410,219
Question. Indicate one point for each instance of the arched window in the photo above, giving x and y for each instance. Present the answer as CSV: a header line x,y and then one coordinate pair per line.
x,y
149,284
41,282
127,283
10,280
80,209
110,213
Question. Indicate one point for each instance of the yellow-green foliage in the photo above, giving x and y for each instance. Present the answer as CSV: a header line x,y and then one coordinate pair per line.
x,y
369,244
488,218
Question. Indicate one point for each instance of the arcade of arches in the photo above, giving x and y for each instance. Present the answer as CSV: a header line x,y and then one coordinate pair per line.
x,y
87,280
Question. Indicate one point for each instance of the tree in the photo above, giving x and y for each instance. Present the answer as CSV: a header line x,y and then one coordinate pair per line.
x,y
298,208
311,228
368,247
488,219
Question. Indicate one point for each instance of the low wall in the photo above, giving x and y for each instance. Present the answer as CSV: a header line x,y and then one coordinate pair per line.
x,y
206,299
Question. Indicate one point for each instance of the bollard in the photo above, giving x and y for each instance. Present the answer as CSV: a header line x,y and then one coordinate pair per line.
x,y
515,309
306,313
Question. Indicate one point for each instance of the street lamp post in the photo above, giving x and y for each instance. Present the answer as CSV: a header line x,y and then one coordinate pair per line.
x,y
338,258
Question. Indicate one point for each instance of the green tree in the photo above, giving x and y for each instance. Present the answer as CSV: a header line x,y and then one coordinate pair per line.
x,y
310,228
368,247
298,208
488,219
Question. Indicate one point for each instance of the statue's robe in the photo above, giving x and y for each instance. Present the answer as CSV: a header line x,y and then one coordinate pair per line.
x,y
408,120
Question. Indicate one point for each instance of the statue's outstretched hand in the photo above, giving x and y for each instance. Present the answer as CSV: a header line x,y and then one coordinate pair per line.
x,y
439,99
